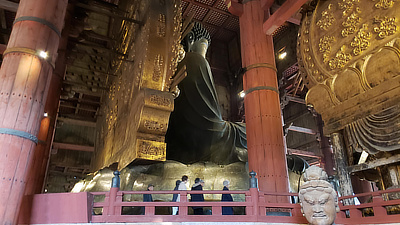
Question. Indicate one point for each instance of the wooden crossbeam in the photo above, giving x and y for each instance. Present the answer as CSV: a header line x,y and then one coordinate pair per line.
x,y
8,5
374,164
296,99
2,48
295,18
302,153
83,123
302,130
282,15
85,148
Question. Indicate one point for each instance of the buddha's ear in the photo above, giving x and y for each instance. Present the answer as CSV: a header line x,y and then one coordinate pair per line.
x,y
188,41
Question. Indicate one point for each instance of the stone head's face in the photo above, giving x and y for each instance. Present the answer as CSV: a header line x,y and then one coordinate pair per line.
x,y
319,207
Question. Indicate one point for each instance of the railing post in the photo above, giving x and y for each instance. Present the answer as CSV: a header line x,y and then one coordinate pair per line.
x,y
183,211
341,214
378,210
254,201
253,180
113,194
296,210
253,194
355,213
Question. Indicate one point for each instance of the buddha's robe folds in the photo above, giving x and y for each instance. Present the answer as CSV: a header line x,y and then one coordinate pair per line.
x,y
196,129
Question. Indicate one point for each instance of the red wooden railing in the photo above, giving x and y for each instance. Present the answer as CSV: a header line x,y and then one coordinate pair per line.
x,y
361,214
256,207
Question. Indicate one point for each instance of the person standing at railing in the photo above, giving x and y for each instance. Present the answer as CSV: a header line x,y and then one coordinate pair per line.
x,y
181,187
175,197
147,197
226,210
197,186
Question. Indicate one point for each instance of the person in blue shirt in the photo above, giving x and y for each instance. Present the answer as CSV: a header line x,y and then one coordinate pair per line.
x,y
147,197
227,210
197,186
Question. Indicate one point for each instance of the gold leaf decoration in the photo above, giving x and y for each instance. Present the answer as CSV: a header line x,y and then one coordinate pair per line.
x,y
348,6
361,40
384,4
351,23
340,60
327,18
386,26
325,46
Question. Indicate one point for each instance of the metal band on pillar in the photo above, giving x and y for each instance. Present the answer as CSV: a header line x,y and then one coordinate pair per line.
x,y
28,51
259,65
39,20
261,88
19,133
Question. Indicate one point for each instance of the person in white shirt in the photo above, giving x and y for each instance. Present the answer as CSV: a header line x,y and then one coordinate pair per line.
x,y
182,187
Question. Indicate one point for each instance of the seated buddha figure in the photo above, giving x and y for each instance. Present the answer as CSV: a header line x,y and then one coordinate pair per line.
x,y
318,199
196,129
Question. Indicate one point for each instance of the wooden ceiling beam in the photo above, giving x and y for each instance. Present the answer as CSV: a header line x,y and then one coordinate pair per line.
x,y
66,146
2,48
296,99
77,108
84,101
72,66
8,5
302,153
84,85
77,122
302,130
281,15
295,18
374,164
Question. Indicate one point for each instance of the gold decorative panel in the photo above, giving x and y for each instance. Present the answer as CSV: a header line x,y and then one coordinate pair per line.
x,y
137,104
349,52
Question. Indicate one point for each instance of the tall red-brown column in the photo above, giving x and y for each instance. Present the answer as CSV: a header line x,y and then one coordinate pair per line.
x,y
38,169
263,114
25,80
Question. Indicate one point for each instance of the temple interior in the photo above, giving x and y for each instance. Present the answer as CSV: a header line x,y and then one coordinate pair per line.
x,y
331,96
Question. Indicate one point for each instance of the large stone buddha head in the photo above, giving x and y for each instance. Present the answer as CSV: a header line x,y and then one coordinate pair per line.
x,y
318,199
197,40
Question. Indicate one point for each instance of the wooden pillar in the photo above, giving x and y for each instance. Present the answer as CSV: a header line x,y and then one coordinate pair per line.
x,y
340,155
326,147
39,168
361,186
25,79
262,107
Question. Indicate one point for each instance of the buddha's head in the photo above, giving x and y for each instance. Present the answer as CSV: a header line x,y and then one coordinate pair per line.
x,y
197,40
318,199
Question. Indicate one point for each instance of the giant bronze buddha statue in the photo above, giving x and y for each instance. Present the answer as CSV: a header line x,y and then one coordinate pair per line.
x,y
196,129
